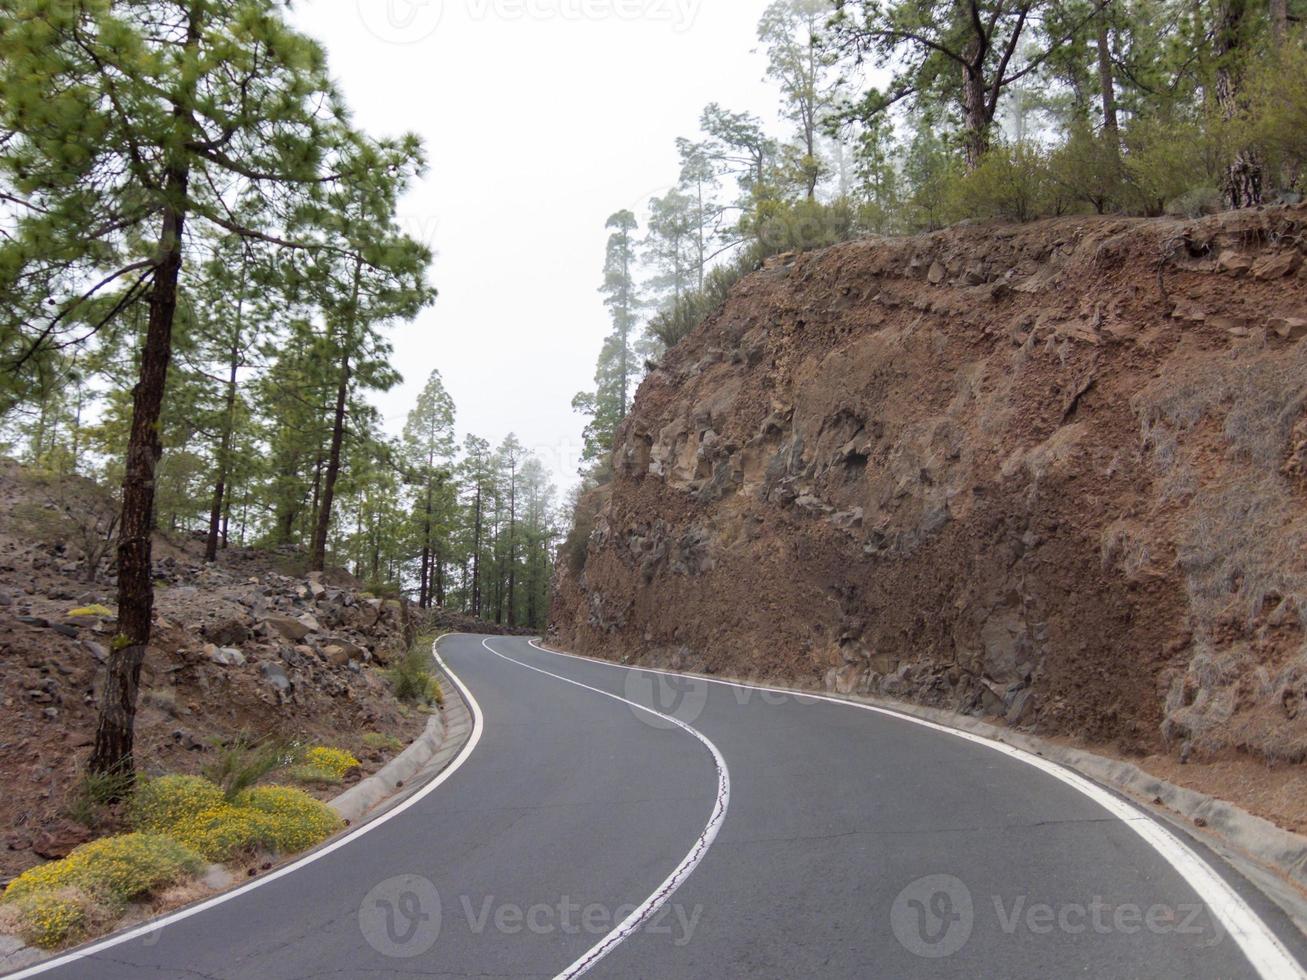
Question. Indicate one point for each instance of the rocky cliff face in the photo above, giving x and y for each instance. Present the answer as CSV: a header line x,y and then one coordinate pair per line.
x,y
1055,472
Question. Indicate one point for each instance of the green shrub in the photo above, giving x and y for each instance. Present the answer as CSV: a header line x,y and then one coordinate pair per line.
x,y
294,820
1011,182
382,743
94,792
413,680
1087,168
1276,118
246,761
112,869
1166,160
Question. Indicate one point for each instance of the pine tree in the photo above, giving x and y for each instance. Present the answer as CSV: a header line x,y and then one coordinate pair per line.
x,y
130,126
429,446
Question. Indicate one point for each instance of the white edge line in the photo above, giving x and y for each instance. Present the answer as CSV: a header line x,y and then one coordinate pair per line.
x,y
1264,950
156,925
691,860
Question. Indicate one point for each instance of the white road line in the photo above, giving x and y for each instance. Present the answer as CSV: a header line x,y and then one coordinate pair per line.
x,y
682,871
159,924
1260,945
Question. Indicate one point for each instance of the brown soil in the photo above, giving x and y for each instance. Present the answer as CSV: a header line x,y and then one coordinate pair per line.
x,y
1052,473
325,687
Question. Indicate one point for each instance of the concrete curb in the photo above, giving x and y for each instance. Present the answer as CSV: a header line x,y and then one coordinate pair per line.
x,y
428,755
369,792
1271,858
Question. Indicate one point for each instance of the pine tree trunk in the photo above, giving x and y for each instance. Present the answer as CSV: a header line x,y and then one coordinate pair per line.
x,y
115,731
1243,176
424,592
1107,83
224,455
975,117
318,558
438,570
512,548
1279,11
476,557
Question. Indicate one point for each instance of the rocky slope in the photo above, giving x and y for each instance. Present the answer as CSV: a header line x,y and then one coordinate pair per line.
x,y
1054,472
244,647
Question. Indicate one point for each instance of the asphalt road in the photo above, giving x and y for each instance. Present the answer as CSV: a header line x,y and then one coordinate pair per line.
x,y
728,832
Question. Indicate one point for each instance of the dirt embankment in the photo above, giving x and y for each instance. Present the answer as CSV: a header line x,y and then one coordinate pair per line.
x,y
248,646
1054,472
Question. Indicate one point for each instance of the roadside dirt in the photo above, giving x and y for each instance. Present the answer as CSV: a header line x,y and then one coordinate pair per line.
x,y
1053,473
246,647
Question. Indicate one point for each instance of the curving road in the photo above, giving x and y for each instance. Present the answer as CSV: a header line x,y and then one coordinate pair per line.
x,y
628,823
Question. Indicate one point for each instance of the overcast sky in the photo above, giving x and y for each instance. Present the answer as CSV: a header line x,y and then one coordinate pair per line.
x,y
541,118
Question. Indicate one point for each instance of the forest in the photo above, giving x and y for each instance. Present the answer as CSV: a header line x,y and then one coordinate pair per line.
x,y
202,258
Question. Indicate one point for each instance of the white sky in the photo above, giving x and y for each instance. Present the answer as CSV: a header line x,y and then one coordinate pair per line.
x,y
541,118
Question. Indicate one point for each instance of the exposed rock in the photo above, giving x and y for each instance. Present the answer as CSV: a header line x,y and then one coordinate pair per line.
x,y
58,840
230,633
1021,508
225,656
292,629
1277,265
275,675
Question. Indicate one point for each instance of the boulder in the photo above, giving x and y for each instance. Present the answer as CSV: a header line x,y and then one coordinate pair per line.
x,y
340,652
292,629
316,588
1289,327
310,622
275,676
225,656
230,633
1234,263
1277,265
58,840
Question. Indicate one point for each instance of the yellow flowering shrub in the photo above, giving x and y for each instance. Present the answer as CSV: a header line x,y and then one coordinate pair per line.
x,y
336,761
324,765
162,804
49,920
113,869
295,821
193,811
224,832
96,609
